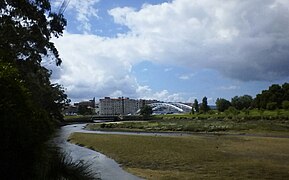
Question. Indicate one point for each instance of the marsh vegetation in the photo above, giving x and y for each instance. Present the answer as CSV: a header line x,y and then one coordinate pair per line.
x,y
194,157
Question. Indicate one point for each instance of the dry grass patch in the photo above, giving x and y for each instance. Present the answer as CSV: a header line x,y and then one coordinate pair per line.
x,y
194,157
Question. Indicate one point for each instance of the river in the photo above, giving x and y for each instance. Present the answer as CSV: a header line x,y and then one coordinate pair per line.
x,y
104,167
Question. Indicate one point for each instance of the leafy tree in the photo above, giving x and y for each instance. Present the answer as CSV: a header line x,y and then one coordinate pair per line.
x,y
242,102
24,126
193,111
271,106
196,106
204,106
222,104
26,28
84,110
146,110
285,105
232,110
285,88
275,93
30,104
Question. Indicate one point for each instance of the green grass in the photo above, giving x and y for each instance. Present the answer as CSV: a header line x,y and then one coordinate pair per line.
x,y
252,114
73,116
193,125
78,118
194,157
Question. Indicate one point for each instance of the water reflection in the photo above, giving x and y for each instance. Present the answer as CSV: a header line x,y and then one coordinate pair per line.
x,y
105,167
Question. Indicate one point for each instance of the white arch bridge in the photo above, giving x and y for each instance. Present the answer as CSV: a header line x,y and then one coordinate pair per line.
x,y
170,108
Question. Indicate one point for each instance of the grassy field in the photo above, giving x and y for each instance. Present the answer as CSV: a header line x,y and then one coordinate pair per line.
x,y
253,121
194,157
253,114
191,125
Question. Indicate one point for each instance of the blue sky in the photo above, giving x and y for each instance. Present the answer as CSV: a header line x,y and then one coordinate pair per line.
x,y
177,50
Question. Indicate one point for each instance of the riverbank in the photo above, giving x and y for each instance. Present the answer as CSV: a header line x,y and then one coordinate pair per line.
x,y
100,166
213,126
194,157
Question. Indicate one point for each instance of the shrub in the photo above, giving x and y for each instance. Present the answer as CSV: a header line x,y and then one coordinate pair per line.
x,y
271,106
285,105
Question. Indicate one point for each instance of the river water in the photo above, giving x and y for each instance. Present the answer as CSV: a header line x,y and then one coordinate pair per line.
x,y
104,167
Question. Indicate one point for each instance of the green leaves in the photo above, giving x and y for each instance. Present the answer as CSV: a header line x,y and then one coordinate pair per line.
x,y
26,29
30,105
146,110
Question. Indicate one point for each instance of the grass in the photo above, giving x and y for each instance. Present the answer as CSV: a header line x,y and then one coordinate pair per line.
x,y
78,118
252,114
194,157
192,125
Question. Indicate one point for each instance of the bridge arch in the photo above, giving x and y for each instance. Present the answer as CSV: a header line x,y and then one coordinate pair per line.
x,y
169,107
156,106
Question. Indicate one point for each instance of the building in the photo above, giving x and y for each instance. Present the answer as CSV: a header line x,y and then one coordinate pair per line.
x,y
121,106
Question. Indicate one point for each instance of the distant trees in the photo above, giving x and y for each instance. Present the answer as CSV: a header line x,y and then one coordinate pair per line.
x,y
276,97
271,106
273,97
285,104
222,104
204,106
242,102
196,106
146,111
84,110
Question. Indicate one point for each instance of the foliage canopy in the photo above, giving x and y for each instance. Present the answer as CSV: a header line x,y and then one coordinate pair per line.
x,y
146,110
30,104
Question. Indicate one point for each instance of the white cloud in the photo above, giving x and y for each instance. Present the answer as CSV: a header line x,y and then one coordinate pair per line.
x,y
96,67
88,68
245,40
186,76
168,69
231,87
146,93
84,10
231,37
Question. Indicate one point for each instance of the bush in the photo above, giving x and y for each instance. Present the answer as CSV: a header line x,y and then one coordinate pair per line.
x,y
285,105
271,106
232,111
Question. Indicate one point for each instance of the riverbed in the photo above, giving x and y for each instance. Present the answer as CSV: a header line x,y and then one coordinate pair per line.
x,y
104,167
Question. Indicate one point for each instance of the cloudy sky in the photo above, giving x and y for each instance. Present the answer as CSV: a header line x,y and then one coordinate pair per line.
x,y
174,50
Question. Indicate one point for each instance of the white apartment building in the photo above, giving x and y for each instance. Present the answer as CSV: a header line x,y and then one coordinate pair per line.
x,y
121,106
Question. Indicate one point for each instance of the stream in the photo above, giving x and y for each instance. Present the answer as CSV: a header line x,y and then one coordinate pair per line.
x,y
104,167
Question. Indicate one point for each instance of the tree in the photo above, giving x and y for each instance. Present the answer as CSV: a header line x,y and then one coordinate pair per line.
x,y
146,111
85,110
30,104
285,88
271,106
232,110
242,102
222,104
275,93
196,106
204,106
26,29
285,105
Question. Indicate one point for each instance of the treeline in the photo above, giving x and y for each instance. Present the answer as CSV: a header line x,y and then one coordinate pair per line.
x,y
276,97
200,108
30,105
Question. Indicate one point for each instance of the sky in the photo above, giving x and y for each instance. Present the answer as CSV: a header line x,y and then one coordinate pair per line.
x,y
172,50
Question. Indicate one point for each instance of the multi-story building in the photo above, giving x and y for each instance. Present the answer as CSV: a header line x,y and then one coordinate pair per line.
x,y
121,106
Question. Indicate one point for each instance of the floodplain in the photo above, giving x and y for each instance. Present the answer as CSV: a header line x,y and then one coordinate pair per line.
x,y
214,149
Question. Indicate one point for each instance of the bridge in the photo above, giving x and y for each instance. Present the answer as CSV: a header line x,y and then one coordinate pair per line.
x,y
170,108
